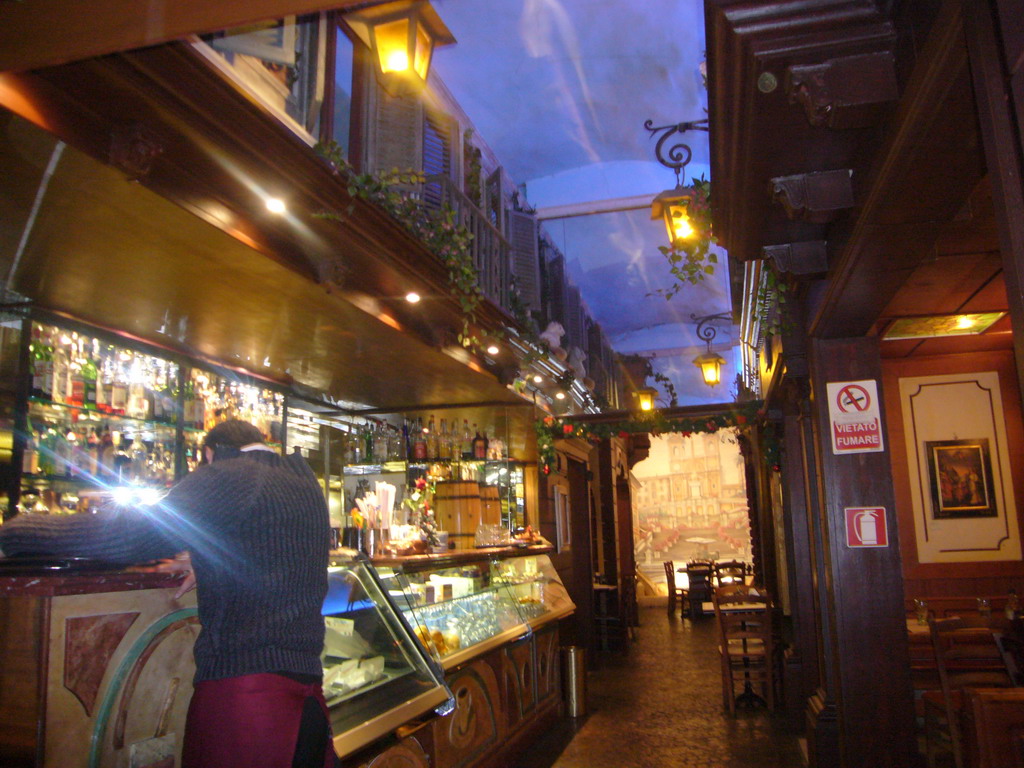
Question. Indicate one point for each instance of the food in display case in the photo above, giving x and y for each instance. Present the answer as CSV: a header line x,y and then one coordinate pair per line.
x,y
368,648
469,607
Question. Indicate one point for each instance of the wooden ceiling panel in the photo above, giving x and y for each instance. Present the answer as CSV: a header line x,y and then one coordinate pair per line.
x,y
944,285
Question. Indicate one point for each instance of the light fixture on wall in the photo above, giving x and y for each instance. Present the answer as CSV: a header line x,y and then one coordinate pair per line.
x,y
672,206
710,362
402,36
646,398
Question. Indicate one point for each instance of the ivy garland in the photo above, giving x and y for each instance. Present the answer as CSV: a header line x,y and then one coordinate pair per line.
x,y
437,229
743,417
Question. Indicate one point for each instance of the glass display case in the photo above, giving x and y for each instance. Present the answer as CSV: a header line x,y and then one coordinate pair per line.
x,y
376,677
461,610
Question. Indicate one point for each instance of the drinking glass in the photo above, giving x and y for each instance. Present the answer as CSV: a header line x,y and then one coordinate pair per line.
x,y
984,609
921,610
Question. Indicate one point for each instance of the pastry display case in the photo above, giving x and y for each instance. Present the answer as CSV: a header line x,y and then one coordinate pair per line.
x,y
462,606
376,677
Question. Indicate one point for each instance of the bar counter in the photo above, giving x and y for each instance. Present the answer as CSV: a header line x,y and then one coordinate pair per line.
x,y
95,666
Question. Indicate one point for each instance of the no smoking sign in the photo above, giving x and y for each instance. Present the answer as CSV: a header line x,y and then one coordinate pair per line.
x,y
854,416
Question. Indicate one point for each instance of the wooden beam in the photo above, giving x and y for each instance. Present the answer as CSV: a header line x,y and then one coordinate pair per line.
x,y
612,205
41,33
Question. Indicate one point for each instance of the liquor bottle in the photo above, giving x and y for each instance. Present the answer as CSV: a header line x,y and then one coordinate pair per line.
x,y
92,447
61,374
380,444
90,375
30,458
42,363
432,446
1012,609
479,444
119,386
444,443
467,441
419,442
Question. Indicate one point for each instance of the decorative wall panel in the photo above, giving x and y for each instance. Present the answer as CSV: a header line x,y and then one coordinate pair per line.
x,y
958,461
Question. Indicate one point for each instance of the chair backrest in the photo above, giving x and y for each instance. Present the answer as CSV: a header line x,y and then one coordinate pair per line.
x,y
730,572
744,614
967,656
670,575
736,596
699,573
997,724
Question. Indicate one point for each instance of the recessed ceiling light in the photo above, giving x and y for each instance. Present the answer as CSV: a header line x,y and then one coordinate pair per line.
x,y
931,326
493,349
412,297
276,205
537,378
559,395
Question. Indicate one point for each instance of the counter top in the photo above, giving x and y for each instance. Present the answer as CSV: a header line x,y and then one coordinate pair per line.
x,y
51,583
460,556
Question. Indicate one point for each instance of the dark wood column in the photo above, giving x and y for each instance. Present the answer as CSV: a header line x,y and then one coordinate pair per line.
x,y
995,46
865,694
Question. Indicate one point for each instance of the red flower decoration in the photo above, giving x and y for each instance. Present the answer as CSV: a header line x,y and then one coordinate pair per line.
x,y
741,419
547,469
549,420
567,429
421,484
711,426
623,434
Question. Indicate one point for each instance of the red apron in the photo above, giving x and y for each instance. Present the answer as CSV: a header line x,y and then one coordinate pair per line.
x,y
250,721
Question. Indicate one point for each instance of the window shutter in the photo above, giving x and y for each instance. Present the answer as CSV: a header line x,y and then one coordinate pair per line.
x,y
438,130
397,132
525,263
494,201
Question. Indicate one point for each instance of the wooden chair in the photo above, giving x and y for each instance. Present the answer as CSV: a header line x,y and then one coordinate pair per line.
x,y
746,644
965,656
730,572
699,573
994,728
675,592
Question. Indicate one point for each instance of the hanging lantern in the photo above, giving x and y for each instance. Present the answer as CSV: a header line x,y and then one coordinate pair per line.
x,y
710,364
402,36
645,397
672,206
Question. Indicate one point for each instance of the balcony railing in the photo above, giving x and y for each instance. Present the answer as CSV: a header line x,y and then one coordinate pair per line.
x,y
491,251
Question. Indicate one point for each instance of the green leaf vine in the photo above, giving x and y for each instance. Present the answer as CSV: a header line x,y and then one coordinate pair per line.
x,y
745,416
690,259
438,229
772,297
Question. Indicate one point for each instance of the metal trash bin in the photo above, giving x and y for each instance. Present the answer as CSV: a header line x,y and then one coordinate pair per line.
x,y
574,670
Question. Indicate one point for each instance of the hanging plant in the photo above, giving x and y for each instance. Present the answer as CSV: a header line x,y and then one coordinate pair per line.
x,y
744,417
690,258
438,229
772,297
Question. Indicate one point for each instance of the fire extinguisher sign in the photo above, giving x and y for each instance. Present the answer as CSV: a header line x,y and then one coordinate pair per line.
x,y
866,527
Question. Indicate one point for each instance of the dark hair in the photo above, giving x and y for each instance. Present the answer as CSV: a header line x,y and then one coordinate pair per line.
x,y
227,437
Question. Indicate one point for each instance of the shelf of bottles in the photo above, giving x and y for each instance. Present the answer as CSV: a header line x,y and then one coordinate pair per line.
x,y
102,418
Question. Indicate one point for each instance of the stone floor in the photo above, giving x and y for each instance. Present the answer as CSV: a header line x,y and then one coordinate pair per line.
x,y
660,706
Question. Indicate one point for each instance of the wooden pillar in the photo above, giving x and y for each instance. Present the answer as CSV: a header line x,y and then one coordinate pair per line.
x,y
995,46
864,697
799,498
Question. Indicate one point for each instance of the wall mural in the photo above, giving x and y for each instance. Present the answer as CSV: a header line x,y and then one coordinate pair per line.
x,y
690,500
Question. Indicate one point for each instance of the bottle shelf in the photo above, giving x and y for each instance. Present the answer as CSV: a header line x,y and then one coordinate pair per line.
x,y
98,415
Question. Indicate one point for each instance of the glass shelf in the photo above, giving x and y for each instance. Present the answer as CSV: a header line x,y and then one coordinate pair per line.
x,y
95,414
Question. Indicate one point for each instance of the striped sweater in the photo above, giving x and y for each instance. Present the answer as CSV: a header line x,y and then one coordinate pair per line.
x,y
258,532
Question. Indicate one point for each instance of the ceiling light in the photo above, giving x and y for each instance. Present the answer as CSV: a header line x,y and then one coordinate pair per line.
x,y
276,205
493,349
537,378
645,397
412,297
931,326
559,395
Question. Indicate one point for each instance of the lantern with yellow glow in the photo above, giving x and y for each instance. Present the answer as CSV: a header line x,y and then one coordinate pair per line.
x,y
710,364
402,36
645,397
672,206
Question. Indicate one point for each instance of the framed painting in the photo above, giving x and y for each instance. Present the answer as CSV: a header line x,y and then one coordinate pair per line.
x,y
960,478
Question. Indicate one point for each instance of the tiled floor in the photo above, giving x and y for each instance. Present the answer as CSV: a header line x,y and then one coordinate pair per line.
x,y
660,706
